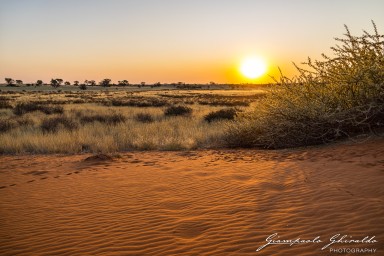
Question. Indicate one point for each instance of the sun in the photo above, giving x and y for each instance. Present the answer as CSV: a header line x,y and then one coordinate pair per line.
x,y
253,67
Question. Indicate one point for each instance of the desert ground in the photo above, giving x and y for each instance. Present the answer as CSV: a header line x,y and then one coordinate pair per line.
x,y
199,202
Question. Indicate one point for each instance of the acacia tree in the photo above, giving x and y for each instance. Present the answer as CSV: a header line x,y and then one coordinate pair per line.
x,y
59,80
67,83
91,82
123,83
9,81
83,87
105,82
39,82
55,83
19,82
75,83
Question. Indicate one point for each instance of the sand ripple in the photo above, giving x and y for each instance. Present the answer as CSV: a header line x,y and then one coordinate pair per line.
x,y
191,203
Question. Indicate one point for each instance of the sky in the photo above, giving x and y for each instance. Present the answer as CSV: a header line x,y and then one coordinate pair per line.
x,y
194,41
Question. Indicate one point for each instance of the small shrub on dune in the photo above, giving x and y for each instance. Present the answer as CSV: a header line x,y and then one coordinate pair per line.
x,y
144,118
222,114
336,98
178,111
51,125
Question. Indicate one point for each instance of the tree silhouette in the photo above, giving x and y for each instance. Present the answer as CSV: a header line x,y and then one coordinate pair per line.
x,y
59,80
39,82
67,83
75,83
19,82
9,81
55,83
105,82
123,83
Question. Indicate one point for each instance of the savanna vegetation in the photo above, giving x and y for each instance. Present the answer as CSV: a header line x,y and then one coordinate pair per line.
x,y
334,98
338,97
74,121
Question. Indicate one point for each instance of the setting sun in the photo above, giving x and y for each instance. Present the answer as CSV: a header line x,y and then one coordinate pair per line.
x,y
253,67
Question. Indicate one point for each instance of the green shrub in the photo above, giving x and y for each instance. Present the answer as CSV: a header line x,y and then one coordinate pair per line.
x,y
336,98
226,113
178,111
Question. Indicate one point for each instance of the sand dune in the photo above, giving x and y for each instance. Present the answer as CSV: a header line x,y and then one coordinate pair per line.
x,y
224,202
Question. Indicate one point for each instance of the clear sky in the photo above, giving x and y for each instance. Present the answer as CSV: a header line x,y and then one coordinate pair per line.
x,y
194,41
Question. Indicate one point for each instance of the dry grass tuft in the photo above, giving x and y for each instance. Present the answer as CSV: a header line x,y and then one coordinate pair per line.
x,y
53,124
144,118
178,111
227,113
26,107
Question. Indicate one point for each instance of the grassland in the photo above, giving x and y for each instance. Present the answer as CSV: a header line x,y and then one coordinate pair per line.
x,y
69,120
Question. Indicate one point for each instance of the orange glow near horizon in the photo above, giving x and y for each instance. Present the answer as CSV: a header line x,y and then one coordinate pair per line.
x,y
195,42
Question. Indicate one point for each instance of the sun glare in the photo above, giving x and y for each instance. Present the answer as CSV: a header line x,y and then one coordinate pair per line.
x,y
253,67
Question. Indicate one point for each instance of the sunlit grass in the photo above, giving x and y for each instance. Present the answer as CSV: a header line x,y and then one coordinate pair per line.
x,y
163,133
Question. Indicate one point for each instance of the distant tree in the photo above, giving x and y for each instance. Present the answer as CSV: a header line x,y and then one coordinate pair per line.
x,y
39,82
158,84
75,83
55,83
105,82
123,83
83,87
19,82
67,83
142,83
59,80
9,81
92,82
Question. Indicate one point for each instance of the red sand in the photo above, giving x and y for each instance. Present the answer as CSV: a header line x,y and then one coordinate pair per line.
x,y
223,202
